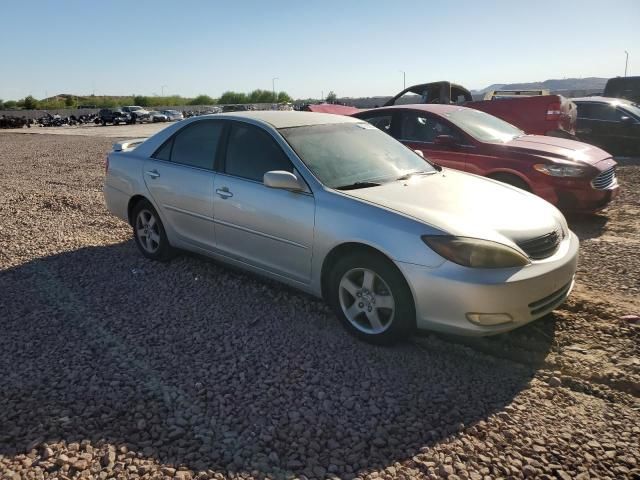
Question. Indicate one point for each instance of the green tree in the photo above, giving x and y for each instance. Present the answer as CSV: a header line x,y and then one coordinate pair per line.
x,y
141,101
202,100
232,98
283,97
30,103
10,104
69,102
331,97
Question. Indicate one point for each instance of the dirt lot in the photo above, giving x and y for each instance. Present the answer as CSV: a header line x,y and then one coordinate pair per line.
x,y
116,367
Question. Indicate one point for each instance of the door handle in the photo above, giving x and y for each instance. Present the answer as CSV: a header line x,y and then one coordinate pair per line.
x,y
153,173
224,192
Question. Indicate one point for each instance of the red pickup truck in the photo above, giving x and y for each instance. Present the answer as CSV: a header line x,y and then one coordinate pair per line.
x,y
552,115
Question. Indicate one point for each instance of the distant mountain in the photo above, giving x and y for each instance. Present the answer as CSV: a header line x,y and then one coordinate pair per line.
x,y
555,85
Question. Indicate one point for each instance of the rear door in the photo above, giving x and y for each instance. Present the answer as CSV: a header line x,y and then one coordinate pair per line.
x,y
601,123
268,228
180,178
418,130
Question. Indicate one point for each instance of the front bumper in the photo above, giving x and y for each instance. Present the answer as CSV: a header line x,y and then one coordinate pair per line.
x,y
445,295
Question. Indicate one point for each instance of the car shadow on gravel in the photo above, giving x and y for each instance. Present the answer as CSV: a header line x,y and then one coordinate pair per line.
x,y
191,363
588,226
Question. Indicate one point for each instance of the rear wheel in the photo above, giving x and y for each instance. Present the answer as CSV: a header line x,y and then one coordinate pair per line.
x,y
512,180
149,232
371,298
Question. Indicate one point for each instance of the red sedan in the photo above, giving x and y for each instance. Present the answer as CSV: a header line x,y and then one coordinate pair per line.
x,y
574,176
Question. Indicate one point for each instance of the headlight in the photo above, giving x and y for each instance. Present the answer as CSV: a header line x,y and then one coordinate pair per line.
x,y
474,252
556,170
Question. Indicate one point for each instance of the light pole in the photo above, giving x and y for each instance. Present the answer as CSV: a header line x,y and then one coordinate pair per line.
x,y
404,79
626,62
273,88
162,87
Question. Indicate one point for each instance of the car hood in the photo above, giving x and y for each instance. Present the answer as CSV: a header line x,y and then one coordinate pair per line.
x,y
467,205
555,148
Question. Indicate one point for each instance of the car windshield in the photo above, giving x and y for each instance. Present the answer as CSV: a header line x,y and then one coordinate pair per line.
x,y
482,126
631,108
135,109
353,154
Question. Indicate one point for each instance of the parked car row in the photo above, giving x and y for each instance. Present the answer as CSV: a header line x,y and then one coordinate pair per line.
x,y
135,114
338,207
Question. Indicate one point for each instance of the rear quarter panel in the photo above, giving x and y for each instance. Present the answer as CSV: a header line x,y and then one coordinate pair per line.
x,y
123,180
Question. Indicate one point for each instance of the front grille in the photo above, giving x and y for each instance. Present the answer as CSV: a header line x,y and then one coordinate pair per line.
x,y
605,179
541,247
550,302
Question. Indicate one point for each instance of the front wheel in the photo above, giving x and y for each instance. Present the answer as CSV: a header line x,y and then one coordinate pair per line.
x,y
149,232
371,298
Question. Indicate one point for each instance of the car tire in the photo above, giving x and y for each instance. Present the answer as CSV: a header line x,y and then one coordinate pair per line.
x,y
512,180
149,233
104,123
371,298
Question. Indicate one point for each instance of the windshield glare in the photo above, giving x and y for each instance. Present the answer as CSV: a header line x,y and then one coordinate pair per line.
x,y
632,108
482,126
346,153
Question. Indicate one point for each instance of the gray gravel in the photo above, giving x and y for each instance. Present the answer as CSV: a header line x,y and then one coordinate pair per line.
x,y
116,367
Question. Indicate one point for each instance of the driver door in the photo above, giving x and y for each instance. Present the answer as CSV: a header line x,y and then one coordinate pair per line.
x,y
268,228
418,131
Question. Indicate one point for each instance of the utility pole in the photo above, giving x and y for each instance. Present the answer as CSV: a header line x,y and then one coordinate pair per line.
x,y
626,63
273,89
162,87
321,95
404,79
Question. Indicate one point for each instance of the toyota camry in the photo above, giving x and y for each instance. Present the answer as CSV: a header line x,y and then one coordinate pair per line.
x,y
335,207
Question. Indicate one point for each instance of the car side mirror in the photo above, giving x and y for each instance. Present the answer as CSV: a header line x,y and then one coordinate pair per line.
x,y
282,180
626,119
444,140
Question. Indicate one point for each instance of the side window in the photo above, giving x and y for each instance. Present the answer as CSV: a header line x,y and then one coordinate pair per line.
x,y
164,152
418,127
584,110
601,111
382,122
251,152
194,145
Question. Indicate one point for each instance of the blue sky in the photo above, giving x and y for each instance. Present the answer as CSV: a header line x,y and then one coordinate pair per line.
x,y
354,48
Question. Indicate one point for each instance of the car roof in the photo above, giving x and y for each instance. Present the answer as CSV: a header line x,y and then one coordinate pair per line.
x,y
288,119
436,108
601,99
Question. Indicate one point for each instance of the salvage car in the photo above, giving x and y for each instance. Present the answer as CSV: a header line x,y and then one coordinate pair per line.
x,y
612,123
333,206
574,176
552,115
156,116
138,114
173,115
114,116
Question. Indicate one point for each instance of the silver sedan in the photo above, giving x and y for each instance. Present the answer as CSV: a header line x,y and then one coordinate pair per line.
x,y
335,207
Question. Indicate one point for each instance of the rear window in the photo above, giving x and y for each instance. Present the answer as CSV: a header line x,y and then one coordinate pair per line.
x,y
195,145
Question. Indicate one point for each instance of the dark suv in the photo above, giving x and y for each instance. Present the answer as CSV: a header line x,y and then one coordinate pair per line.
x,y
113,115
611,123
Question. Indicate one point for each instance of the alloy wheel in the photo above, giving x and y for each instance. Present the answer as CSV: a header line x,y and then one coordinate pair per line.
x,y
366,300
148,231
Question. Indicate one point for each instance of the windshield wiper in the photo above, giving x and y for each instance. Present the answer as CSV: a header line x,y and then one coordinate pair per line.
x,y
355,185
417,172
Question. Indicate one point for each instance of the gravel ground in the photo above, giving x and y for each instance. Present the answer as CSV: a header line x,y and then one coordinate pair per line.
x,y
117,367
